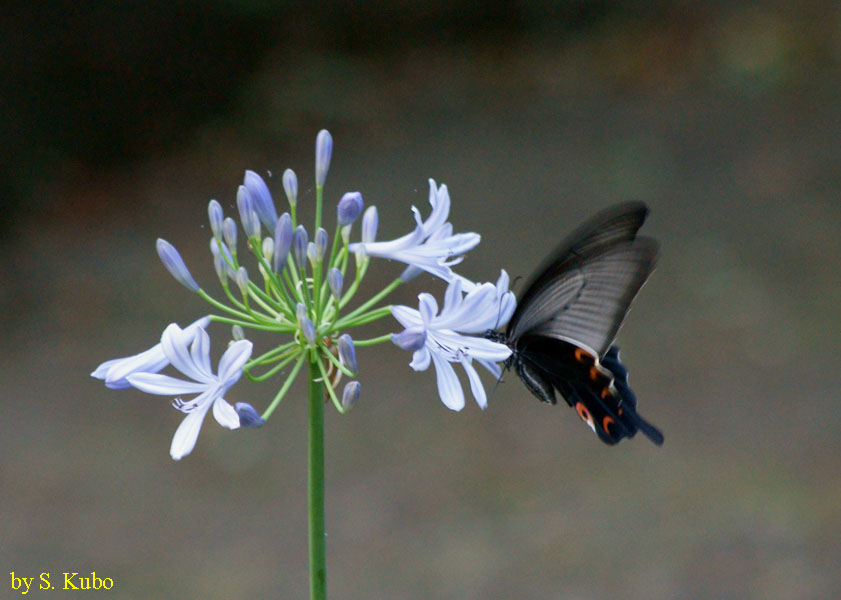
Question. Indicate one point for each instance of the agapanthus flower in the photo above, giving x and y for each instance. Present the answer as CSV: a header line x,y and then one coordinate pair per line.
x,y
431,246
440,338
193,360
114,372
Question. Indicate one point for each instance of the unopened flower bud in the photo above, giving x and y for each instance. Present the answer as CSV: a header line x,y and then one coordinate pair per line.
x,y
261,199
349,208
268,249
312,254
370,221
335,280
323,152
247,215
347,353
175,265
300,240
214,212
361,255
350,394
320,243
248,416
290,186
237,333
220,266
229,232
282,242
242,280
305,323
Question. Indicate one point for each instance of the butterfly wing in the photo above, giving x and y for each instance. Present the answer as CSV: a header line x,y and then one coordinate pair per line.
x,y
567,318
588,283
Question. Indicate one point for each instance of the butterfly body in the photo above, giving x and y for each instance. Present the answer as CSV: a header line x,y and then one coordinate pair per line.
x,y
561,334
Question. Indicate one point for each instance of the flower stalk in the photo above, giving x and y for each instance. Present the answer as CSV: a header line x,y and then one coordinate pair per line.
x,y
315,484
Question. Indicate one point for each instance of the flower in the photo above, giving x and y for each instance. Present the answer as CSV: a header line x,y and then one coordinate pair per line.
x,y
440,339
114,372
432,246
194,362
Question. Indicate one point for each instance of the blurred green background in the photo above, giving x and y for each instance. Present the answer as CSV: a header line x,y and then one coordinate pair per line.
x,y
121,120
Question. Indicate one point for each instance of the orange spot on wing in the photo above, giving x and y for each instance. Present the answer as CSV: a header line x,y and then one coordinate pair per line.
x,y
583,413
583,356
606,422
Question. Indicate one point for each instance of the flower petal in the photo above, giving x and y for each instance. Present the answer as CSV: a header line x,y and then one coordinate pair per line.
x,y
225,414
187,433
232,361
476,386
421,359
164,385
175,346
449,387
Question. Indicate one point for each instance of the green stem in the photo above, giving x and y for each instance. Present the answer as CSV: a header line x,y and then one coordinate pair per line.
x,y
373,341
318,566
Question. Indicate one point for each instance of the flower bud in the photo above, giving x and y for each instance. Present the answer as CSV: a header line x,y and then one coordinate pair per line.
x,y
304,322
237,333
347,353
320,243
175,265
282,242
361,255
247,215
299,247
229,232
242,280
409,339
349,208
290,186
268,249
261,199
220,266
335,280
225,258
214,212
350,394
370,221
248,416
323,152
312,254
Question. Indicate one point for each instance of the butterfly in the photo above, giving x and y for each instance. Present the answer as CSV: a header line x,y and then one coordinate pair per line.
x,y
562,331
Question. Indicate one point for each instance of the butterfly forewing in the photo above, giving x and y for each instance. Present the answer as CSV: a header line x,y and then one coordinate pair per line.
x,y
564,276
606,285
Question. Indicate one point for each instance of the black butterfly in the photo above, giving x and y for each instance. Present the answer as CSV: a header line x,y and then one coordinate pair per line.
x,y
562,331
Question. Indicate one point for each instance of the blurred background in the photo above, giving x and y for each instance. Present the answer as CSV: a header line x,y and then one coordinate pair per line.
x,y
120,122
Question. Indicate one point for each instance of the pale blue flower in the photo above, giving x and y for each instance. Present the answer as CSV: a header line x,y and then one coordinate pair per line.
x,y
114,372
444,341
432,246
193,360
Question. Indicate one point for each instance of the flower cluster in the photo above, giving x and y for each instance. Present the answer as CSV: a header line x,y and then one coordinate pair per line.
x,y
306,280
